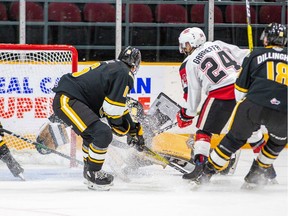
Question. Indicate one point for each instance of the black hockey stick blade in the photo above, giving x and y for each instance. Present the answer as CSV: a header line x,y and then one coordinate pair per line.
x,y
42,146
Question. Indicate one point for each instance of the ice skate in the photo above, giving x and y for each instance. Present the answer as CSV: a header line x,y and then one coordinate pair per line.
x,y
271,175
199,162
13,166
227,169
201,174
99,180
256,178
230,169
195,173
205,175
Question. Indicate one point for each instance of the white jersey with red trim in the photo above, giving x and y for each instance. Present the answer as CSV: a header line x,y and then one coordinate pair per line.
x,y
212,68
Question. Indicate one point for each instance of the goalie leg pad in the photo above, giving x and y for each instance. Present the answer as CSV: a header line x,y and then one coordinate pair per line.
x,y
10,161
53,135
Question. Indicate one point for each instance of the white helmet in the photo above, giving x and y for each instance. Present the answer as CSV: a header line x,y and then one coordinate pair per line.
x,y
194,36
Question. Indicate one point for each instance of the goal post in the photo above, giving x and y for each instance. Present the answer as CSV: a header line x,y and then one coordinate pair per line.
x,y
27,76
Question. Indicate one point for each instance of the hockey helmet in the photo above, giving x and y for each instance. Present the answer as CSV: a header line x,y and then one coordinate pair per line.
x,y
194,36
275,33
131,56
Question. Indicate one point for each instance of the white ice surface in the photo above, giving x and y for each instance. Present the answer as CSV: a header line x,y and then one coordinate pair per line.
x,y
58,191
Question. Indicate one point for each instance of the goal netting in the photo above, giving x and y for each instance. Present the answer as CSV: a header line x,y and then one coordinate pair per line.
x,y
27,76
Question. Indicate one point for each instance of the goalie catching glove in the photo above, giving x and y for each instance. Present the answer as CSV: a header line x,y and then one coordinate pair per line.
x,y
135,137
183,119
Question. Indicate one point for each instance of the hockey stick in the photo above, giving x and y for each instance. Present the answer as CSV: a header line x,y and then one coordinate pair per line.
x,y
249,27
166,128
162,159
150,153
41,145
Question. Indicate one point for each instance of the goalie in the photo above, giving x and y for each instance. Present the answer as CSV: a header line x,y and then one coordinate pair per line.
x,y
84,97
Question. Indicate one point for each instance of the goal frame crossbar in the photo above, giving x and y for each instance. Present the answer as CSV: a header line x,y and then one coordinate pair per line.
x,y
36,47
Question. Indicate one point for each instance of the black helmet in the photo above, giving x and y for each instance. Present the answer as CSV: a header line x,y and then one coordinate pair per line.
x,y
131,56
276,34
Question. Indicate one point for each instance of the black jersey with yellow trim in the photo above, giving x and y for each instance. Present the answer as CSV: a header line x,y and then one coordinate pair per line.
x,y
264,77
109,81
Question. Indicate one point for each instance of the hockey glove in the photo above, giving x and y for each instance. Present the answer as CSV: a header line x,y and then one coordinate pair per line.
x,y
135,137
183,119
120,127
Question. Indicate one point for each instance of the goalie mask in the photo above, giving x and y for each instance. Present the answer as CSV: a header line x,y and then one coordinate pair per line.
x,y
276,34
131,56
194,36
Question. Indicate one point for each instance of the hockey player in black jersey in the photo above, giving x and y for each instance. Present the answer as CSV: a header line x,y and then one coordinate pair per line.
x,y
84,97
262,90
6,157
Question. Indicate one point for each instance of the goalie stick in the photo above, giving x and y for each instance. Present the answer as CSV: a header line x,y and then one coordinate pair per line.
x,y
166,128
169,108
41,146
162,159
152,154
166,107
163,110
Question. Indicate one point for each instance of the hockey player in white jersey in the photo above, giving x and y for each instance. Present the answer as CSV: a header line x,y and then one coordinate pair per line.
x,y
210,68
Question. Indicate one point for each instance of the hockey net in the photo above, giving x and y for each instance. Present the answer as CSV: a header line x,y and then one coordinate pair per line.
x,y
27,76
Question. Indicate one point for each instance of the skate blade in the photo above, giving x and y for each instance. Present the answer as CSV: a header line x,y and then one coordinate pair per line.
x,y
93,186
252,186
85,182
272,182
21,176
194,185
248,186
